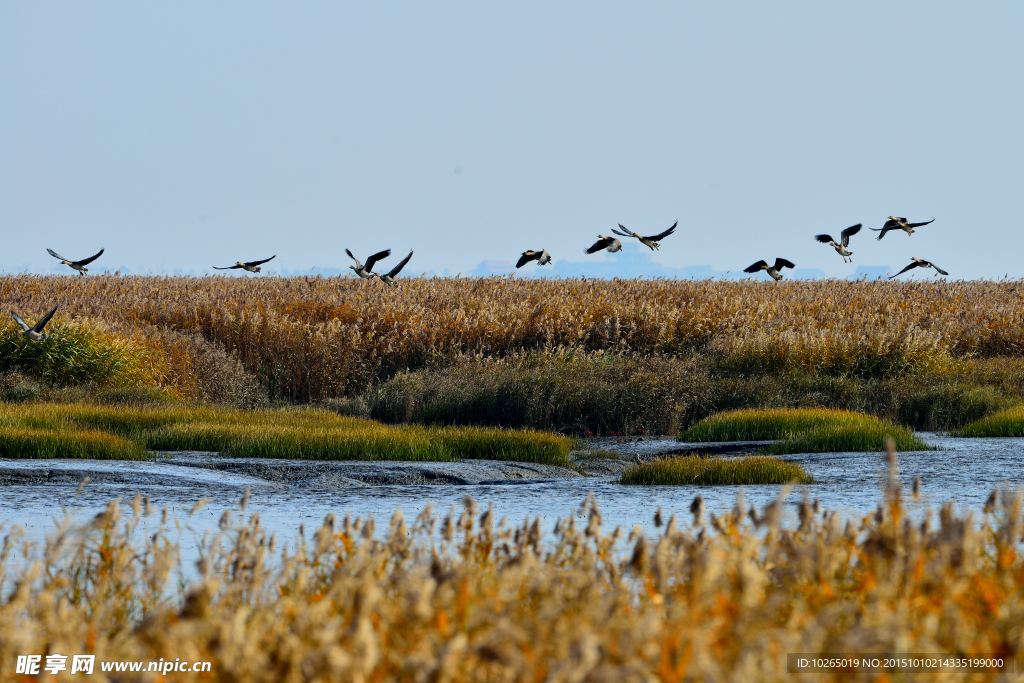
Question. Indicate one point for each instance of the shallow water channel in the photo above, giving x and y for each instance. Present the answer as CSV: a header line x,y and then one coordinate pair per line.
x,y
35,493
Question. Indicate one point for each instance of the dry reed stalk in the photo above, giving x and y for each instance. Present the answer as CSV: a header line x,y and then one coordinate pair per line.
x,y
311,343
473,600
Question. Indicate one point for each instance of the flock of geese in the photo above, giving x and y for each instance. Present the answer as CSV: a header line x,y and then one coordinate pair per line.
x,y
542,257
612,244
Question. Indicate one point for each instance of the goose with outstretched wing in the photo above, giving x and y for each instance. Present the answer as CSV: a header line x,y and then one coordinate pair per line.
x,y
899,223
250,266
366,271
604,242
920,263
80,266
843,243
34,332
774,270
650,241
389,277
542,258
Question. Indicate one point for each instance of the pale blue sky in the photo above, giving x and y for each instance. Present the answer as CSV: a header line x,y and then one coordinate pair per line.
x,y
192,134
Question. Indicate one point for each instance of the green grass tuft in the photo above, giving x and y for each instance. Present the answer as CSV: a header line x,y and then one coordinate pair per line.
x,y
76,430
361,440
863,438
1009,422
34,444
695,470
761,424
805,430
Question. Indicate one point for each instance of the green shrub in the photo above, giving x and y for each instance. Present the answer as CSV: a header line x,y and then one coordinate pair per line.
x,y
76,353
16,388
952,406
574,393
351,407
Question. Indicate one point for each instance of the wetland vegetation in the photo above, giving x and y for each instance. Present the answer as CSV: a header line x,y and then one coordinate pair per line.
x,y
466,598
604,357
75,430
1009,422
805,430
314,367
695,470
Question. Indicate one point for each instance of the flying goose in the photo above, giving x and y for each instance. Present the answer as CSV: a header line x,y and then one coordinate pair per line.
x,y
365,271
603,242
35,333
844,241
920,263
251,266
899,223
389,278
80,266
651,240
541,257
774,271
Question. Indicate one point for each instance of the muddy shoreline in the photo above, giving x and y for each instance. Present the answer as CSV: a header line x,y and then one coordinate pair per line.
x,y
607,458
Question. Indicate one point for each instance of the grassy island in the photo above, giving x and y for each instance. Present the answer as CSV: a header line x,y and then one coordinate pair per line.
x,y
704,471
1008,422
48,430
804,430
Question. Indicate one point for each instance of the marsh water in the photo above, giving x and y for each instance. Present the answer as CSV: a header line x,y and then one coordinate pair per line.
x,y
286,494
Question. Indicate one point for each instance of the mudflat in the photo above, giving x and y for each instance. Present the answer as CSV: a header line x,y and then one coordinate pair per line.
x,y
608,457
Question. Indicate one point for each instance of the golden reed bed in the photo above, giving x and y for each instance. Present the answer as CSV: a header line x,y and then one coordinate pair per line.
x,y
471,599
314,338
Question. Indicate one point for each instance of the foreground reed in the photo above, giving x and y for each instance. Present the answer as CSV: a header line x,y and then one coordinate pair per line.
x,y
695,470
41,430
470,599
